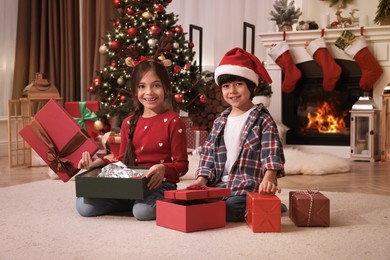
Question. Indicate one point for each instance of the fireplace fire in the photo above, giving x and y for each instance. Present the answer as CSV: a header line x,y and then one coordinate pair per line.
x,y
316,116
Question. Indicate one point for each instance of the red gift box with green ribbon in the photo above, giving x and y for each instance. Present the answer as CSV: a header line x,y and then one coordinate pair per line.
x,y
84,114
58,139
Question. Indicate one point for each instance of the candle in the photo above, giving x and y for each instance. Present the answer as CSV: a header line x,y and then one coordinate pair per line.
x,y
324,21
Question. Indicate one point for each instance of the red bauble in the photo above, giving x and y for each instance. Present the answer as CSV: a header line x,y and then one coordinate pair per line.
x,y
154,30
178,98
117,3
132,31
123,98
114,64
114,45
203,98
90,89
178,29
130,11
176,69
97,81
190,45
168,1
187,66
159,8
169,33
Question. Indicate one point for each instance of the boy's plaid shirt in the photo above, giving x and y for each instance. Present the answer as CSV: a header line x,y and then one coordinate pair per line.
x,y
260,149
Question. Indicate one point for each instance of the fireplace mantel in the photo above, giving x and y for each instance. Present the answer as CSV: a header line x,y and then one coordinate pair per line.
x,y
378,40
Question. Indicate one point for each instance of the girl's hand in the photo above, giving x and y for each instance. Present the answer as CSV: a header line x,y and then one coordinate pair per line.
x,y
155,175
85,161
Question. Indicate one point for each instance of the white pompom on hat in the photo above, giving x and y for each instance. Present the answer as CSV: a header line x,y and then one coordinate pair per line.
x,y
241,63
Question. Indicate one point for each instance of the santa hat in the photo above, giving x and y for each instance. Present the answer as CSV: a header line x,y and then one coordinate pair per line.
x,y
241,63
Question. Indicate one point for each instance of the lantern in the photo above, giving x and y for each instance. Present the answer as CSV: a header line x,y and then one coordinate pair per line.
x,y
365,128
385,134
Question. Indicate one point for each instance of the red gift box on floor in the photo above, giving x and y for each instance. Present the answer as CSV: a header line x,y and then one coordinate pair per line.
x,y
84,114
192,210
263,212
58,139
309,208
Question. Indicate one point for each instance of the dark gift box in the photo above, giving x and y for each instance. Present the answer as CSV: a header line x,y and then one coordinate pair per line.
x,y
192,210
309,208
263,212
89,185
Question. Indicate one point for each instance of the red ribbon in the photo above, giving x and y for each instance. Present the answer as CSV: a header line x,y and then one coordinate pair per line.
x,y
141,59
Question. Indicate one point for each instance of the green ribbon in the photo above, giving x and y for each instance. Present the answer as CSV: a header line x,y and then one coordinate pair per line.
x,y
86,114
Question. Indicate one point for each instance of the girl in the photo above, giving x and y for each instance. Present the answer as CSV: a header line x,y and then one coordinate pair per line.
x,y
153,136
243,152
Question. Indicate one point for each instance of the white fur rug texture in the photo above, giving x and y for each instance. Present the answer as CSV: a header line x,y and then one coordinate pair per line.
x,y
39,221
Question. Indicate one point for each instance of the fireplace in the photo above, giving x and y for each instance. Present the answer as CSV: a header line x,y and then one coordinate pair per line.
x,y
318,117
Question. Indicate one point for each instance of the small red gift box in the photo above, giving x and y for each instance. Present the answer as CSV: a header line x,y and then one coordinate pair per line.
x,y
58,139
192,210
84,114
114,141
263,212
309,208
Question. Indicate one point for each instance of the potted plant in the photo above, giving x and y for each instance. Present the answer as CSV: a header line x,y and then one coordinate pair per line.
x,y
285,14
383,13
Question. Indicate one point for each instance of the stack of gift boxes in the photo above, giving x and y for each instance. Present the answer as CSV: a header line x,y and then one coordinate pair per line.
x,y
196,136
60,141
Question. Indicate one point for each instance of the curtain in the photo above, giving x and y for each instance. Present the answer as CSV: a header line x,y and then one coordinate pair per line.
x,y
96,16
8,22
48,41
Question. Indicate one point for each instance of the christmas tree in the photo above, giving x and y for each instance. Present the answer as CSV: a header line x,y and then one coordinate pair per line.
x,y
140,28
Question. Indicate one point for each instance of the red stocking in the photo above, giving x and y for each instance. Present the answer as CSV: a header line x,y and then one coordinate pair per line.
x,y
371,70
331,70
281,55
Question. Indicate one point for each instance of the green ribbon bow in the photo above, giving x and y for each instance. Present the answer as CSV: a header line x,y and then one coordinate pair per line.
x,y
86,114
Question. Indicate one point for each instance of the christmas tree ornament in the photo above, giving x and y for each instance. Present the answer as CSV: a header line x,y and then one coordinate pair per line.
x,y
117,3
130,11
147,15
154,30
103,49
280,53
176,45
168,33
132,31
159,8
114,64
190,45
98,124
178,98
187,66
123,98
330,69
357,48
114,45
97,80
176,69
120,81
203,99
178,29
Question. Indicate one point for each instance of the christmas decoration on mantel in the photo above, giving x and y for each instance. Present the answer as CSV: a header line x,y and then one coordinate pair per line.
x,y
285,14
382,16
138,28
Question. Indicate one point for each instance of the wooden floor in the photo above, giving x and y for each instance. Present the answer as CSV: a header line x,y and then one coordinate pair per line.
x,y
364,177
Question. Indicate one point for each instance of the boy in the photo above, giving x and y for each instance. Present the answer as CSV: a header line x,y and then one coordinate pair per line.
x,y
243,152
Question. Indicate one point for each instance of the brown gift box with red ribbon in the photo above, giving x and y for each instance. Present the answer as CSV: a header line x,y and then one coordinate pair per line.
x,y
58,139
309,208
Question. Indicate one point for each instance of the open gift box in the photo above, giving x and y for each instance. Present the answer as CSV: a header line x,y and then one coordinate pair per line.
x,y
58,139
309,208
89,185
190,210
263,212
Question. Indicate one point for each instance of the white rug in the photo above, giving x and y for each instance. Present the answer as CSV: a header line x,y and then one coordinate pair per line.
x,y
39,221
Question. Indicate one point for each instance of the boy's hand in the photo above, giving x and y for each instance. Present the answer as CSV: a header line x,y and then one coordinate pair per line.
x,y
268,185
199,182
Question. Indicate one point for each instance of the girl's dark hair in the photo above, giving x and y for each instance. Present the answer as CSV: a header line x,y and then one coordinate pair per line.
x,y
138,72
227,78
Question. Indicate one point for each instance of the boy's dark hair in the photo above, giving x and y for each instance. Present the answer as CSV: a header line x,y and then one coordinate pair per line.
x,y
227,78
138,72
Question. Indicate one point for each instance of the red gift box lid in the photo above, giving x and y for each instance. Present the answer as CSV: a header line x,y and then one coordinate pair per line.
x,y
58,139
197,194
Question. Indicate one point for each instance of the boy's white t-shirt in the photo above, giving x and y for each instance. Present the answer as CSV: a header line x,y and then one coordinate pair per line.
x,y
232,138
